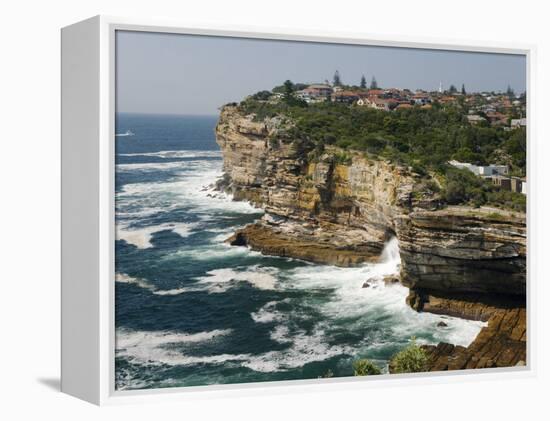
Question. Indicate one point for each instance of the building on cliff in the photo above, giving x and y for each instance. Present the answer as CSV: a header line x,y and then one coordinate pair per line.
x,y
481,170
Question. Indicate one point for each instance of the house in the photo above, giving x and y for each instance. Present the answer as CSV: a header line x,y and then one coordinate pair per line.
x,y
319,90
347,97
504,183
516,123
475,119
483,170
447,99
421,99
364,102
377,103
465,166
315,93
497,119
393,93
516,184
376,92
489,170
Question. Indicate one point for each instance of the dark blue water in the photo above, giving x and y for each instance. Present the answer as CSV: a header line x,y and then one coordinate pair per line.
x,y
191,310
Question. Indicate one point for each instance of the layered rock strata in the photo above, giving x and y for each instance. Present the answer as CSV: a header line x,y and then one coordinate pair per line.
x,y
340,207
502,343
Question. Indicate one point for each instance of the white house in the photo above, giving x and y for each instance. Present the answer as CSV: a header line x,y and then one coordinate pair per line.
x,y
482,171
516,123
492,170
475,119
465,166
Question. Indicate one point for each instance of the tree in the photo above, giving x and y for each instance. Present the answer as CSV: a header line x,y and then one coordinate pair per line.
x,y
373,83
510,91
452,89
336,81
288,93
463,90
363,83
262,95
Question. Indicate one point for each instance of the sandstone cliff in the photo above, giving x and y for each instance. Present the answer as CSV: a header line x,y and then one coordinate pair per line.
x,y
340,207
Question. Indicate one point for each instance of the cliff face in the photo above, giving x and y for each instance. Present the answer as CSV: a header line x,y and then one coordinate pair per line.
x,y
340,209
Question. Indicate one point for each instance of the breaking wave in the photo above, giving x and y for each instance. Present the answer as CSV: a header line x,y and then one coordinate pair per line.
x,y
141,237
168,348
177,154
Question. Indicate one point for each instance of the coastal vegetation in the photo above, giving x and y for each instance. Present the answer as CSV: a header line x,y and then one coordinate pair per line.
x,y
411,359
365,367
422,139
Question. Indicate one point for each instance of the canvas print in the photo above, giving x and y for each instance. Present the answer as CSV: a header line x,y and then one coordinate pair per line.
x,y
299,210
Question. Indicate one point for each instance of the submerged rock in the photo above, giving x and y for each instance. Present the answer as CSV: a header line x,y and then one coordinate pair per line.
x,y
391,279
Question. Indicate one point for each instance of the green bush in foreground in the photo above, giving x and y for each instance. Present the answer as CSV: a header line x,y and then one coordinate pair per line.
x,y
329,373
412,359
365,368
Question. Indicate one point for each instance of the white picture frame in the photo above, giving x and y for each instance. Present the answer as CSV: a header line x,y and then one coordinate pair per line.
x,y
88,101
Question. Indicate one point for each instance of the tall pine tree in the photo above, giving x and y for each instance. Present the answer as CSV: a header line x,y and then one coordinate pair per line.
x,y
363,83
336,81
288,94
463,90
373,83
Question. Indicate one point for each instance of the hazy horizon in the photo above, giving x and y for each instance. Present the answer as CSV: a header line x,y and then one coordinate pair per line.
x,y
174,74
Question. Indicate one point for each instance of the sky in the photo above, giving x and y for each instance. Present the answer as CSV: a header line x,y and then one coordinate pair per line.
x,y
189,74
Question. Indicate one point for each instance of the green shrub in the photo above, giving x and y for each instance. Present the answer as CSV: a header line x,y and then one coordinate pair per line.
x,y
262,95
423,139
342,158
365,367
412,359
327,375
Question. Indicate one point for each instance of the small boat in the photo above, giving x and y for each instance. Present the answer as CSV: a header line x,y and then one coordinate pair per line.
x,y
126,133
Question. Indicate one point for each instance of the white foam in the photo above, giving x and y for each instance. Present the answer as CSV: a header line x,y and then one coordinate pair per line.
x,y
150,166
150,348
141,237
178,154
261,278
304,349
213,252
175,291
281,334
123,278
268,314
192,186
351,300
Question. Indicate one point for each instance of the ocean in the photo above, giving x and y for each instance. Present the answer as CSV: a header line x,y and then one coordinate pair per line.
x,y
191,310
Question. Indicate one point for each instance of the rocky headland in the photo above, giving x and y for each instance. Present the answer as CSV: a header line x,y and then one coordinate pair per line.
x,y
341,207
